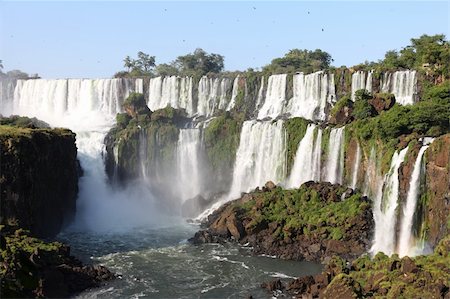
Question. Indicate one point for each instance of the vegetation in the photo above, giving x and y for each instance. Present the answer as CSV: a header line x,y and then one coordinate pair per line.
x,y
142,66
313,209
295,131
297,60
23,122
361,108
221,139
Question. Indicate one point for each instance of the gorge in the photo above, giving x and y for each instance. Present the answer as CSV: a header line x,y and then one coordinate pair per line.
x,y
207,141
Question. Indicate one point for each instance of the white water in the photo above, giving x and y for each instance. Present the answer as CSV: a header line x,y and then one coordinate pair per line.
x,y
407,244
188,163
261,156
142,153
335,156
88,107
275,97
234,93
355,168
311,94
403,84
260,97
359,81
307,159
385,208
171,91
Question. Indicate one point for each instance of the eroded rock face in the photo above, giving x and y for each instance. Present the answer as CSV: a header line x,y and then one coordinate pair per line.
x,y
436,211
251,219
382,102
33,268
38,178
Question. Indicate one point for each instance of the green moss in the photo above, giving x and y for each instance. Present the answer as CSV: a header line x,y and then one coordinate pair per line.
x,y
295,131
345,101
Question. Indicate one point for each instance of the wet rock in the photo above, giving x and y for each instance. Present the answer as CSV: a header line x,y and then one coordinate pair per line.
x,y
273,285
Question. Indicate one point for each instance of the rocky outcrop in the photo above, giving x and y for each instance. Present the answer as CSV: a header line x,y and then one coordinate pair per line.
x,y
435,202
316,221
38,178
382,101
381,276
33,268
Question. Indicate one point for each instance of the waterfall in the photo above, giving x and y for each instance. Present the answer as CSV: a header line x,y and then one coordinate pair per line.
x,y
234,93
311,94
88,107
7,86
356,167
261,156
359,81
403,84
172,91
335,156
385,208
142,153
224,87
406,239
189,164
307,159
260,97
275,97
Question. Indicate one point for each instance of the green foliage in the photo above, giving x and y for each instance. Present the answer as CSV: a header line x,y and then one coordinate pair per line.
x,y
295,130
345,101
362,109
199,63
307,210
122,120
23,122
142,66
165,69
222,140
135,99
300,61
441,91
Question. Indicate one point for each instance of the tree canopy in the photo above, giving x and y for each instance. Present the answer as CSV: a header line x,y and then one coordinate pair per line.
x,y
199,63
297,60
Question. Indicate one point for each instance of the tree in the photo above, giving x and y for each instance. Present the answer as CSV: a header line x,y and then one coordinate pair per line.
x,y
165,69
128,63
297,60
199,63
145,62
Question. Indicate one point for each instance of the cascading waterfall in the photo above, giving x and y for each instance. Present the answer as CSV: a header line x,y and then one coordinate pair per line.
x,y
171,91
142,153
88,107
406,244
188,163
311,94
275,97
234,93
335,156
307,159
224,87
403,84
7,86
261,156
385,208
359,81
260,96
212,95
355,168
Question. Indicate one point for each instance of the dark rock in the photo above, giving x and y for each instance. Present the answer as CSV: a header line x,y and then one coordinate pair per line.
x,y
270,185
408,265
273,285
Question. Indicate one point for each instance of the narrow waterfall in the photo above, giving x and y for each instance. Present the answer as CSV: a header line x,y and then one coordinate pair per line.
x,y
171,91
406,244
355,168
385,208
260,97
189,164
311,94
403,84
335,156
275,97
307,159
142,153
234,93
88,107
261,156
224,87
359,81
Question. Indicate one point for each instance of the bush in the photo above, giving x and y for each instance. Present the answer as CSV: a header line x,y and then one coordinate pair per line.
x,y
362,109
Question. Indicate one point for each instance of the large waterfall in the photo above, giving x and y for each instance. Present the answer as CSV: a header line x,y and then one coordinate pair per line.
x,y
335,156
189,166
307,159
311,94
406,244
88,107
403,84
171,91
360,81
385,208
275,97
261,156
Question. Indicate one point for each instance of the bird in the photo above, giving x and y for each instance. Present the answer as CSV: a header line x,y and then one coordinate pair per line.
x,y
254,7
322,29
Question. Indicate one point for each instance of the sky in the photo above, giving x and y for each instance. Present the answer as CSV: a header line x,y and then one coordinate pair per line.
x,y
83,39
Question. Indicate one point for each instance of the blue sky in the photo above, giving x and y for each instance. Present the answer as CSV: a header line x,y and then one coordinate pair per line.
x,y
90,39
